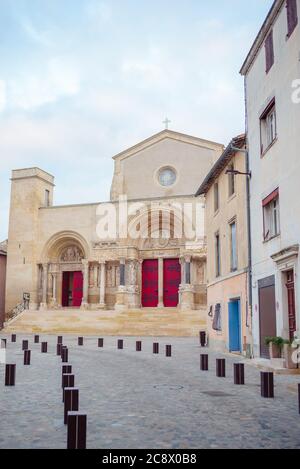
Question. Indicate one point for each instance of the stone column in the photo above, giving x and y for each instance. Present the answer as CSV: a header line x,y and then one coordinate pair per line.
x,y
187,270
85,298
54,289
133,289
160,282
43,304
102,304
186,290
121,297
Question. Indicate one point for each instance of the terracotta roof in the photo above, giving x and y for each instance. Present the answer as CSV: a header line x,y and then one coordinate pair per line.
x,y
229,152
3,247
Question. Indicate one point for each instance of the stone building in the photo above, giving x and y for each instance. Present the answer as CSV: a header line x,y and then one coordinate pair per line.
x,y
225,191
145,248
272,84
3,253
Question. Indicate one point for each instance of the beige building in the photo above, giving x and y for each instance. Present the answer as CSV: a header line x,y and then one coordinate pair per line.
x,y
3,253
272,84
227,250
143,249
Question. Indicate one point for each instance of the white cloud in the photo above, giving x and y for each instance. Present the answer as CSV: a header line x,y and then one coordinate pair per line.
x,y
56,80
99,13
40,37
2,95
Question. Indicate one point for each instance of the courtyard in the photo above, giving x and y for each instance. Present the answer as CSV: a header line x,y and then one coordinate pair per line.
x,y
140,400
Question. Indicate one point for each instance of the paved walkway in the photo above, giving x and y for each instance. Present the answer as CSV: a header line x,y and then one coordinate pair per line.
x,y
138,400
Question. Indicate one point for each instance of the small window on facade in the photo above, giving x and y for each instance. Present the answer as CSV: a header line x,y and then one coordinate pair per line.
x,y
216,196
47,198
271,216
269,48
233,246
218,254
268,127
292,16
231,180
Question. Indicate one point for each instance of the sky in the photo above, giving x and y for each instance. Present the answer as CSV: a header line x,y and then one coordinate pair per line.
x,y
81,80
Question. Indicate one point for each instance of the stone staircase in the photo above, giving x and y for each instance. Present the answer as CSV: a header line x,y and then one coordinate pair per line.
x,y
144,322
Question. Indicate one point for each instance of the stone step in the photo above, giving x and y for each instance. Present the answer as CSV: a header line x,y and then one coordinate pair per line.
x,y
130,323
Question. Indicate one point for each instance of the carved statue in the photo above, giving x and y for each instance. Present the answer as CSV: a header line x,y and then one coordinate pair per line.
x,y
72,254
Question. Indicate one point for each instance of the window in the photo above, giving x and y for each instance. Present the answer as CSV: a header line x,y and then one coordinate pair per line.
x,y
269,48
268,127
218,254
292,16
167,177
47,198
233,246
231,180
271,216
216,196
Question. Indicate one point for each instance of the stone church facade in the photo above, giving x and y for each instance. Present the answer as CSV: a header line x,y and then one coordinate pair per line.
x,y
153,256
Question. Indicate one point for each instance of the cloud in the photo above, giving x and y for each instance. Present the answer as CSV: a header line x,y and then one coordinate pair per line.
x,y
99,13
40,37
2,95
56,80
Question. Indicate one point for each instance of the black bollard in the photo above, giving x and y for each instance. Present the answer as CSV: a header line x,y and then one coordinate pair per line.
x,y
120,344
156,348
202,336
36,339
44,347
60,339
58,350
25,345
168,350
66,370
221,368
138,346
13,338
27,357
239,374
299,396
68,381
64,354
71,402
267,385
76,430
204,362
100,343
10,375
80,341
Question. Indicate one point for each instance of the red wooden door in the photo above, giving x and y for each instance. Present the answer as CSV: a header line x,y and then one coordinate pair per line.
x,y
150,284
77,288
172,280
65,289
291,303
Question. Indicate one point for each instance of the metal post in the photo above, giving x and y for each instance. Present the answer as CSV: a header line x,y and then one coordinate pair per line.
x,y
58,350
60,339
267,385
64,354
77,424
71,402
138,346
10,375
202,335
27,357
120,344
14,338
221,368
80,341
68,381
44,347
239,374
100,343
168,350
66,370
156,348
25,345
204,362
36,339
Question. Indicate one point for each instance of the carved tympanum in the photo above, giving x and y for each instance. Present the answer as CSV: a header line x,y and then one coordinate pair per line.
x,y
72,254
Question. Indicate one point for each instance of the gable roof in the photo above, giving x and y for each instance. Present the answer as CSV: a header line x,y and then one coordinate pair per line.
x,y
229,152
260,38
171,135
3,248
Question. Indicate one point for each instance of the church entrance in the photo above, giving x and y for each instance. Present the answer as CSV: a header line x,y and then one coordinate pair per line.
x,y
150,284
172,280
72,289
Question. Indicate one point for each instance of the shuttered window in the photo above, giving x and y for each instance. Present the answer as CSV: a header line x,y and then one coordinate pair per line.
x,y
292,15
269,47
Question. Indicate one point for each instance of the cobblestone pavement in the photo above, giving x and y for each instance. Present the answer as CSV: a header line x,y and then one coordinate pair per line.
x,y
139,400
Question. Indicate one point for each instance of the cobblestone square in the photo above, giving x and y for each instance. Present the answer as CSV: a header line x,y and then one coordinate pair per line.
x,y
140,400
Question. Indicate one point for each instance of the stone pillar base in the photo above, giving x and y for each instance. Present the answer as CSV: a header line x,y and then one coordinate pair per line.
x,y
33,306
121,299
133,297
43,307
101,306
186,294
84,306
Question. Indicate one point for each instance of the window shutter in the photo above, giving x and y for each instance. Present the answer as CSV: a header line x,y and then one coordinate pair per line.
x,y
269,46
292,15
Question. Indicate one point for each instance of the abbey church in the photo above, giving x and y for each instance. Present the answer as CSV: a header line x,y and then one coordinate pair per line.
x,y
60,258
